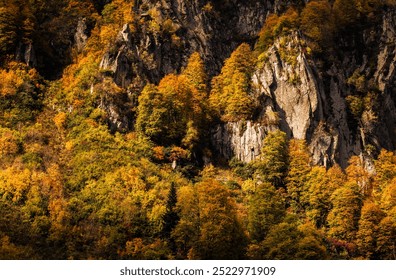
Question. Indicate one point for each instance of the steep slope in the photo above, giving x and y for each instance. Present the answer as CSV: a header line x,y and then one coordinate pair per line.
x,y
341,105
163,34
341,101
168,32
197,129
308,96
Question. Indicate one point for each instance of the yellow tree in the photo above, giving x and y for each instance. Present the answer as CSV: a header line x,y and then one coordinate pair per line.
x,y
320,185
357,174
276,26
273,161
195,101
297,175
343,218
21,94
221,234
196,75
209,227
230,96
186,232
385,169
266,208
174,112
317,22
388,197
386,241
367,235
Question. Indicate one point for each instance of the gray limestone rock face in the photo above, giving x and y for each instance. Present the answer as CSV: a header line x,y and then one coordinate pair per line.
x,y
30,56
291,100
213,30
297,92
242,140
310,102
287,78
119,62
117,120
81,36
145,55
387,55
27,54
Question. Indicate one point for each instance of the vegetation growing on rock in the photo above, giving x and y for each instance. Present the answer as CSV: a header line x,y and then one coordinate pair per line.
x,y
107,151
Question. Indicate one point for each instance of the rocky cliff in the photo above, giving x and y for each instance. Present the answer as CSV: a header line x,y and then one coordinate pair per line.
x,y
315,102
305,96
169,31
341,102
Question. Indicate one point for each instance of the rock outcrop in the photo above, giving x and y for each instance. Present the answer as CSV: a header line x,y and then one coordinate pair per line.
x,y
289,81
26,53
290,95
242,140
311,100
169,31
81,35
307,97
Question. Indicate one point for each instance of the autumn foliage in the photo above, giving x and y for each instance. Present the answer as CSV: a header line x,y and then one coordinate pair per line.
x,y
76,183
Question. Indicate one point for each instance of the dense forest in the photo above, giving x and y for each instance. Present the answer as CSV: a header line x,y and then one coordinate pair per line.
x,y
101,159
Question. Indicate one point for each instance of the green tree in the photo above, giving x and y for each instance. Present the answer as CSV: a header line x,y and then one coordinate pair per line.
x,y
265,209
317,22
343,218
209,227
297,175
320,186
272,164
230,96
151,113
312,245
175,111
171,217
290,240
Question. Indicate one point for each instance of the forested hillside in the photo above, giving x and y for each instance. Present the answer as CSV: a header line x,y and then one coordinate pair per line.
x,y
192,129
